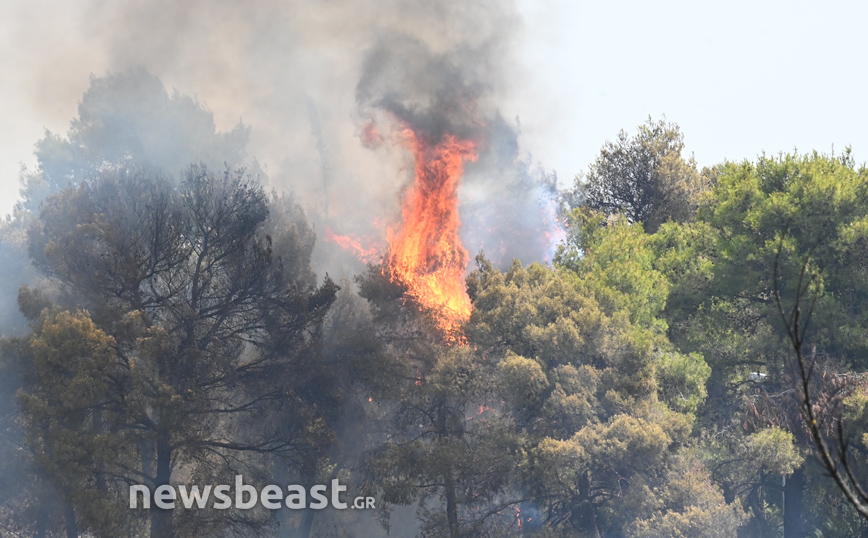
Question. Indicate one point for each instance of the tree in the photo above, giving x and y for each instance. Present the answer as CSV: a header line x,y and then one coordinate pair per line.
x,y
130,118
210,332
604,401
124,119
841,464
686,505
644,177
68,364
723,272
444,437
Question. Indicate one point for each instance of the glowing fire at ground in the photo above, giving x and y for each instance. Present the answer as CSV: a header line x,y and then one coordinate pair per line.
x,y
426,253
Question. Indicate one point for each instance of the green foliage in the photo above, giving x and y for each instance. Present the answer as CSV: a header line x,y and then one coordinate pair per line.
x,y
625,445
687,505
522,379
584,367
65,403
573,402
457,375
721,270
618,265
685,254
206,334
682,380
533,312
632,272
773,451
71,358
644,177
808,204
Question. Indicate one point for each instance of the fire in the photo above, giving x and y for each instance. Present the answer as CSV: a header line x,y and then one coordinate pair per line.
x,y
371,136
367,255
426,253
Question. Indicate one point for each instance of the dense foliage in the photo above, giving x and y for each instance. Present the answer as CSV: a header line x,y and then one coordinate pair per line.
x,y
641,385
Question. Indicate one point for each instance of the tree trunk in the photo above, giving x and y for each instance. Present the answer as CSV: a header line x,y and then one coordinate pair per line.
x,y
793,487
308,515
306,523
448,480
99,463
69,520
451,505
586,515
161,519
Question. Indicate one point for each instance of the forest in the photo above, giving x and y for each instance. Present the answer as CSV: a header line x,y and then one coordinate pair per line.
x,y
689,363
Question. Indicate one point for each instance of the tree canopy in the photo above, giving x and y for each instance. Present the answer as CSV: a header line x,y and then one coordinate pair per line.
x,y
644,177
642,384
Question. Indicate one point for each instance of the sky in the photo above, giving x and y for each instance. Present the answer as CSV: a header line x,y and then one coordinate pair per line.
x,y
740,78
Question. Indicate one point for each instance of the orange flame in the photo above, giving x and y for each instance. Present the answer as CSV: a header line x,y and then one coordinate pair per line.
x,y
426,254
367,255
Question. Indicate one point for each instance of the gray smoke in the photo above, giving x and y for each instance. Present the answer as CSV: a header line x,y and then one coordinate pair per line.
x,y
307,75
507,207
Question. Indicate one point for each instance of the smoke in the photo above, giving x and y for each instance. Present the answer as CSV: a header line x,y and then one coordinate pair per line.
x,y
308,75
507,209
310,78
436,93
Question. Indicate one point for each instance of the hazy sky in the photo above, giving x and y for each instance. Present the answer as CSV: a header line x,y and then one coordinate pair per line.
x,y
739,77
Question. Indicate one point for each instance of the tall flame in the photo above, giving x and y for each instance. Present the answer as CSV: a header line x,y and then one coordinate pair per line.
x,y
426,254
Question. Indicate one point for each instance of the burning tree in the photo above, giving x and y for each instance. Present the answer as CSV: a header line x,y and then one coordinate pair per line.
x,y
439,440
433,104
426,254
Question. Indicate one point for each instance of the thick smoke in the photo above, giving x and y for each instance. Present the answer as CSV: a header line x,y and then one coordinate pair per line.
x,y
435,93
508,208
308,75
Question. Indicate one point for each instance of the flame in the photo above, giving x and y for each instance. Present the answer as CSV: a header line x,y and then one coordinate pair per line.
x,y
367,255
426,253
371,136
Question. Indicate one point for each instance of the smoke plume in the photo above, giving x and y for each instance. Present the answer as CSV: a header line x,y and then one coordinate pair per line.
x,y
309,76
322,88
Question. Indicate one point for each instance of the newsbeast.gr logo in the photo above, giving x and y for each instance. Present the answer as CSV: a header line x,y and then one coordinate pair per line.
x,y
246,497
